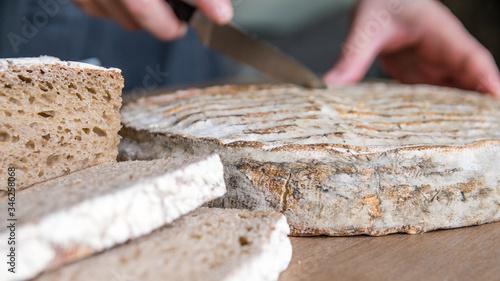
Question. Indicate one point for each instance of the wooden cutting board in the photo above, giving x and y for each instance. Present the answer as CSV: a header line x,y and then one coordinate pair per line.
x,y
471,253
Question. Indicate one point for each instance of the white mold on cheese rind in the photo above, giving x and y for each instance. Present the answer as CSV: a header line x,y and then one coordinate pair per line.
x,y
382,159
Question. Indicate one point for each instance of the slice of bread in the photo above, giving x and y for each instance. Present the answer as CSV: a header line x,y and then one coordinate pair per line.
x,y
207,244
71,217
56,117
366,159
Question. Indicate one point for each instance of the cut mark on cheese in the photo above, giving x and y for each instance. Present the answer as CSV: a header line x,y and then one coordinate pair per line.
x,y
278,116
286,191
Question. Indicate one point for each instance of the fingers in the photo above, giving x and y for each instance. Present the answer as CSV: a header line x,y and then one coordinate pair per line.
x,y
220,11
358,53
415,49
491,84
156,17
352,64
91,8
370,33
411,67
464,59
469,64
480,73
118,12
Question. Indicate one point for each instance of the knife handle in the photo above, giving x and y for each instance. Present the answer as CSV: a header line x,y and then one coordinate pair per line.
x,y
182,10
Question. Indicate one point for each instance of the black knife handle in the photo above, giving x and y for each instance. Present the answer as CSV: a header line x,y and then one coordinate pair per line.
x,y
182,10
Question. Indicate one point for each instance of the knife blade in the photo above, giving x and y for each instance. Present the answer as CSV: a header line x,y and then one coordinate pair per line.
x,y
244,48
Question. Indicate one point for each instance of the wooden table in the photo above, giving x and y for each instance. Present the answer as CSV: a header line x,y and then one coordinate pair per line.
x,y
471,253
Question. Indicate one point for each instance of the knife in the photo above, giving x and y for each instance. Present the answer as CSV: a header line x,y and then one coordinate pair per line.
x,y
240,46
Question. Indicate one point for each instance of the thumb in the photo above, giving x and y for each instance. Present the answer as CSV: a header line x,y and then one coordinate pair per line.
x,y
363,44
220,11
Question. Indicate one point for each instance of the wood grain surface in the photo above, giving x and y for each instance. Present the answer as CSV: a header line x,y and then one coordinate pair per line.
x,y
471,253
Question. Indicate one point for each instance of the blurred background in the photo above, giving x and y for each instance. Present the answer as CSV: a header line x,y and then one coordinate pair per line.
x,y
481,18
311,31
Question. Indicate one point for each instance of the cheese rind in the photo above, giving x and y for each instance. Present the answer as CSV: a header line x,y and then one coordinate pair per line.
x,y
370,159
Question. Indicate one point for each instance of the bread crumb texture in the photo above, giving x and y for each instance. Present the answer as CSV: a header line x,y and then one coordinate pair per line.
x,y
207,244
93,213
56,119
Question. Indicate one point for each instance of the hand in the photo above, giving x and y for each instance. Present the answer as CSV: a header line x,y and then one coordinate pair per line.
x,y
418,42
155,16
